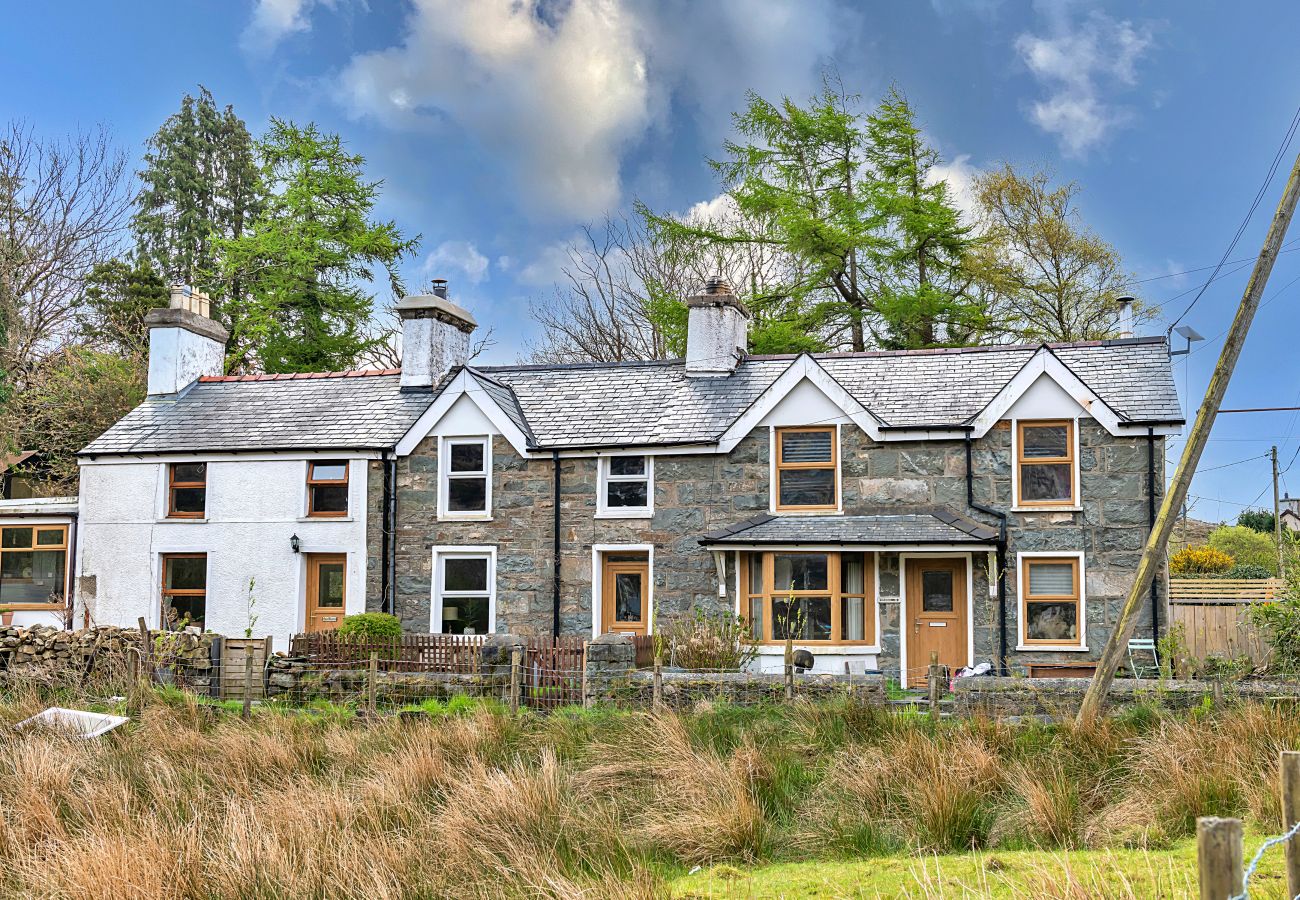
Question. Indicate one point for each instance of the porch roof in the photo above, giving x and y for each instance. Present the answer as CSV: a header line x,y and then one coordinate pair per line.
x,y
929,526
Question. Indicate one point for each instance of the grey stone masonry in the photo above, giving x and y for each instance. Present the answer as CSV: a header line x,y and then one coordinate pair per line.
x,y
698,493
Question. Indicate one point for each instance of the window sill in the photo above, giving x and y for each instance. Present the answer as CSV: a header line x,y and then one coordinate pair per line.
x,y
36,607
837,511
472,517
178,520
326,519
626,514
815,647
1048,648
1046,509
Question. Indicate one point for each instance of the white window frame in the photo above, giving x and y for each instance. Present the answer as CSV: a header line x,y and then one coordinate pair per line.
x,y
436,592
1075,469
444,475
604,510
1021,589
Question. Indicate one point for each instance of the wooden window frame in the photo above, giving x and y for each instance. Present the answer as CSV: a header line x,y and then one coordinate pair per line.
x,y
173,485
34,548
778,467
1070,459
1026,598
166,592
313,482
834,589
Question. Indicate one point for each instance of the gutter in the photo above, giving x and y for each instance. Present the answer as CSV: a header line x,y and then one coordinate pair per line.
x,y
1151,526
1001,556
555,550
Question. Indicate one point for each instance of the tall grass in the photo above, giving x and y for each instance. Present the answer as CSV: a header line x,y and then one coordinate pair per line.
x,y
187,801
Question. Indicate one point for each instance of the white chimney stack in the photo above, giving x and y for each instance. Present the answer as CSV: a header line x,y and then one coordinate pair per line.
x,y
1125,305
184,343
435,337
717,330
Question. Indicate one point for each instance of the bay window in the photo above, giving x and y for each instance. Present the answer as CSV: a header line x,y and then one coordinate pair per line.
x,y
810,597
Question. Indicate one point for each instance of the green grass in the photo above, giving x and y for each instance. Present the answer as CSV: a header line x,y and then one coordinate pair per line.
x,y
1005,875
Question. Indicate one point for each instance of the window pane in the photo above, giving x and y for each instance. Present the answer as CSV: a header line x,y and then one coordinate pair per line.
x,y
1052,622
936,591
329,585
756,618
184,611
47,536
803,619
465,615
853,574
16,537
186,573
626,493
627,465
800,571
1045,440
329,498
28,576
467,457
1051,579
467,494
627,597
189,500
807,487
806,446
755,574
1040,482
854,626
190,472
329,471
465,573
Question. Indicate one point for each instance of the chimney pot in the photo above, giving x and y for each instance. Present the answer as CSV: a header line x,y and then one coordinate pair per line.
x,y
440,287
1125,305
717,285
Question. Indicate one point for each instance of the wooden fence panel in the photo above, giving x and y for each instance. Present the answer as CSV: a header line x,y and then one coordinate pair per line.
x,y
1214,615
232,669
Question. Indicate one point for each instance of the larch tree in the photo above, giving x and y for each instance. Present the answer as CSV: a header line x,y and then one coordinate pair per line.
x,y
306,264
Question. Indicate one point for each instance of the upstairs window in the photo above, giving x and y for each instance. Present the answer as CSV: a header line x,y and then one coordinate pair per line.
x,y
187,490
806,463
626,486
1045,463
327,488
466,482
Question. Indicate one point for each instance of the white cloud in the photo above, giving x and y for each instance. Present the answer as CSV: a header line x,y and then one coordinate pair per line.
x,y
273,21
548,266
721,208
1079,63
960,175
462,256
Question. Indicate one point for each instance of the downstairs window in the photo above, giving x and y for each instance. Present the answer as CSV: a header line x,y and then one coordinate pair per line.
x,y
810,597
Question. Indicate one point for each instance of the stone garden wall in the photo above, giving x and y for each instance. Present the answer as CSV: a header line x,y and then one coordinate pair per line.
x,y
1061,697
52,654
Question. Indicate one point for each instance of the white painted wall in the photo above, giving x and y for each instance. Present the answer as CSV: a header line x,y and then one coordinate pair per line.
x,y
806,404
1045,399
464,419
715,334
178,356
254,505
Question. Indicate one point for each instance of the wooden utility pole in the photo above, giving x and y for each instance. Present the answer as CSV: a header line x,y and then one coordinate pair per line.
x,y
1152,554
1277,514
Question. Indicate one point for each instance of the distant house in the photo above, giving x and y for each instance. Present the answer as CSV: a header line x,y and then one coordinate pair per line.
x,y
985,503
36,535
1290,514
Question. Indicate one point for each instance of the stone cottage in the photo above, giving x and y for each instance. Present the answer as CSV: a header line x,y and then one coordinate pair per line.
x,y
988,503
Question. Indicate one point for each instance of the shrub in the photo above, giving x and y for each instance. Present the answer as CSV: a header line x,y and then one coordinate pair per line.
x,y
1246,546
1279,624
371,626
700,640
1248,570
1256,520
1201,560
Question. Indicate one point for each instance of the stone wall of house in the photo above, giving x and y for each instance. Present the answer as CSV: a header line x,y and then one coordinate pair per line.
x,y
695,494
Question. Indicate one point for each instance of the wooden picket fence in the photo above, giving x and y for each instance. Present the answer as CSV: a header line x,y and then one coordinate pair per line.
x,y
1213,614
409,653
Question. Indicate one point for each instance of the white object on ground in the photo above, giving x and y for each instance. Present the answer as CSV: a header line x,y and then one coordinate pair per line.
x,y
73,722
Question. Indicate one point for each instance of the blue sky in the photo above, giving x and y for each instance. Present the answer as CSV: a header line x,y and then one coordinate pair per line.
x,y
500,127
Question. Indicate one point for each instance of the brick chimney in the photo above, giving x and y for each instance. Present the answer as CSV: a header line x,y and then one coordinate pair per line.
x,y
435,337
717,326
184,343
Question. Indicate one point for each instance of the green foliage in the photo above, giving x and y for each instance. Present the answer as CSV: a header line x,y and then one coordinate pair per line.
x,y
1278,622
1249,570
1256,520
1246,546
306,263
371,626
700,640
118,295
1202,560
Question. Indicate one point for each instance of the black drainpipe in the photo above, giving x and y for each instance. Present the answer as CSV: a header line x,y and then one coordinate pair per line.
x,y
389,520
383,534
1151,525
555,552
1001,556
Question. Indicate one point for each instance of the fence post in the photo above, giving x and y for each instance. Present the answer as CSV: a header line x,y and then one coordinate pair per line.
x,y
1218,693
133,675
934,678
789,668
657,684
1291,815
1218,857
586,696
372,679
247,711
146,658
516,665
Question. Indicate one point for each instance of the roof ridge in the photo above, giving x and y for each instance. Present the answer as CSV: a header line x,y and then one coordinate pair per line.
x,y
298,376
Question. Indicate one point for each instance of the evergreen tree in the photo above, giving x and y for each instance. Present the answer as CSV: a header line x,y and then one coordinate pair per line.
x,y
118,294
925,297
201,185
306,262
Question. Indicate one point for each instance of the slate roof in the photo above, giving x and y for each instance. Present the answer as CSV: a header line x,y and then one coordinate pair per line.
x,y
936,526
623,404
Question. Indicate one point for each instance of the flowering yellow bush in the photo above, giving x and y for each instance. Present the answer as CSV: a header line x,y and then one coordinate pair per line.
x,y
1201,560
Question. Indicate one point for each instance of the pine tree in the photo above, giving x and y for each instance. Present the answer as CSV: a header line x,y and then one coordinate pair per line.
x,y
925,296
305,264
118,294
202,185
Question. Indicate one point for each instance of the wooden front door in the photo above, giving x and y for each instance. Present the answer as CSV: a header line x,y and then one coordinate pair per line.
x,y
326,590
936,616
625,593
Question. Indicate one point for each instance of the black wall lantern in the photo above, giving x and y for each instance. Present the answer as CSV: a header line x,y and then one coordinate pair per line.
x,y
295,543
